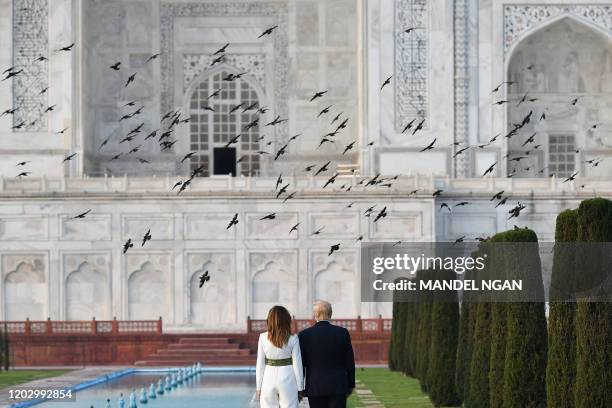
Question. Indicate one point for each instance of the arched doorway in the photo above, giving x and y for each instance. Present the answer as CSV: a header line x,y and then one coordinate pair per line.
x,y
565,69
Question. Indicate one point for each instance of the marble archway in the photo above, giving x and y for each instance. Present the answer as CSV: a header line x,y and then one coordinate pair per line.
x,y
554,64
25,291
335,283
87,294
148,293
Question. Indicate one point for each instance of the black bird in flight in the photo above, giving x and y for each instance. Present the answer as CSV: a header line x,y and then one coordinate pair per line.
x,y
130,79
408,126
128,244
222,49
572,177
516,211
277,120
294,228
70,157
333,248
9,111
437,193
279,181
500,85
331,180
381,214
503,201
152,57
281,151
23,163
82,215
387,82
270,216
188,156
204,278
268,31
24,174
233,221
116,66
67,48
12,74
318,95
497,196
147,237
348,147
490,169
322,169
324,111
429,146
336,118
444,205
217,60
282,190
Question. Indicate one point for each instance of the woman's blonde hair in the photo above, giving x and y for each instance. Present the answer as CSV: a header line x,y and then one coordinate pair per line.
x,y
279,326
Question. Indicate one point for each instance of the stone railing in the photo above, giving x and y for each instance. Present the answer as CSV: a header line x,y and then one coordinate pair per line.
x,y
358,325
53,327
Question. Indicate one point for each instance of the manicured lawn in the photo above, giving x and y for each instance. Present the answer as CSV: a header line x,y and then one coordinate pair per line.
x,y
392,389
13,377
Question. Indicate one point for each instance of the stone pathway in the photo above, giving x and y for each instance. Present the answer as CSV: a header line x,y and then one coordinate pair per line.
x,y
366,396
63,381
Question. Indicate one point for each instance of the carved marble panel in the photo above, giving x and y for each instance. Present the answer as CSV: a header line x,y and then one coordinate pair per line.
x,y
472,225
149,286
336,280
95,227
214,304
86,286
30,42
334,225
136,225
24,228
397,226
277,228
411,69
25,286
210,226
520,18
273,281
195,64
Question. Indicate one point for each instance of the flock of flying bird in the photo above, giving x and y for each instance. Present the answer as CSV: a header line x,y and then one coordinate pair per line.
x,y
172,119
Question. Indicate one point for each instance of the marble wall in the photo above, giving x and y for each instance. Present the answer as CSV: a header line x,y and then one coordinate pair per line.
x,y
55,266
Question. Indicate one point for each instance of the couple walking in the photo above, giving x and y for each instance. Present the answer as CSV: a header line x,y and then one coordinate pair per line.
x,y
318,363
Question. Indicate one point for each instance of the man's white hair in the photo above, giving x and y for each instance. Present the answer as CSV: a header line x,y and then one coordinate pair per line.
x,y
322,310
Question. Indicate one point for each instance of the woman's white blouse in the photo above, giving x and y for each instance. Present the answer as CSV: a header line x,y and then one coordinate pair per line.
x,y
265,349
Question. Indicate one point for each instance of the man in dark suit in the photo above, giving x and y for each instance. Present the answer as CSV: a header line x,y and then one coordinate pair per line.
x,y
328,360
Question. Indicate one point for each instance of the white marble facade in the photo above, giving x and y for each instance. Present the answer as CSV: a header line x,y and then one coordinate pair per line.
x,y
443,71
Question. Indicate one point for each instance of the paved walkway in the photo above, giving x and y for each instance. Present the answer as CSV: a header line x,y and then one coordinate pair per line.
x,y
366,396
61,381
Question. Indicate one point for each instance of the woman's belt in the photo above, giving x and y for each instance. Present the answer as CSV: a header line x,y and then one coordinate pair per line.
x,y
279,363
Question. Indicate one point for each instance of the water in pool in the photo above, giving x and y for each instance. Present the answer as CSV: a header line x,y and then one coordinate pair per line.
x,y
227,390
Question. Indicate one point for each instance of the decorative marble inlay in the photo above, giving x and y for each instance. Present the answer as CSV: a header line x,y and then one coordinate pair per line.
x,y
462,83
30,41
519,18
172,10
410,78
195,64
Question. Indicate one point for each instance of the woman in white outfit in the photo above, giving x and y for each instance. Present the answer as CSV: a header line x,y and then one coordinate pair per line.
x,y
280,376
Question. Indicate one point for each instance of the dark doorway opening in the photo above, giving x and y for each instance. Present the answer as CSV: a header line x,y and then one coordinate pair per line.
x,y
224,160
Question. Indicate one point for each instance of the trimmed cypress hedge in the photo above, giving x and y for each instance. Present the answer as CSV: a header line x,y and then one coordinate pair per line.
x,y
443,347
423,335
464,343
477,386
499,312
593,320
393,343
478,395
398,329
561,362
525,359
410,339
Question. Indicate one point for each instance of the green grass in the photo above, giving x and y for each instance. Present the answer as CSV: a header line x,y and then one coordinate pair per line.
x,y
14,377
392,389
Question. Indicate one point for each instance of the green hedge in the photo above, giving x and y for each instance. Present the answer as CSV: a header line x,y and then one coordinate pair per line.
x,y
467,320
443,347
561,361
423,335
526,344
594,320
